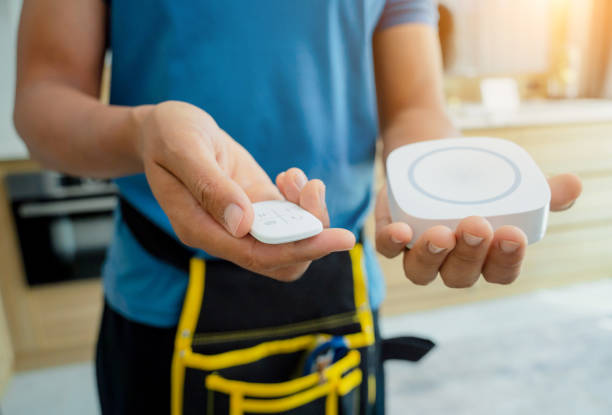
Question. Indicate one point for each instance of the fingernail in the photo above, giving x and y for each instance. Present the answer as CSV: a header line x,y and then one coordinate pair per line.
x,y
322,197
569,205
395,240
300,180
232,217
434,249
472,240
509,246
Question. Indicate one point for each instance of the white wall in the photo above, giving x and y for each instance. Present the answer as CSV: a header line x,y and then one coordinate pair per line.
x,y
11,146
500,36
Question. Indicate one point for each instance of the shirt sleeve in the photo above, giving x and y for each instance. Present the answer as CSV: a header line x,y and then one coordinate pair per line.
x,y
408,11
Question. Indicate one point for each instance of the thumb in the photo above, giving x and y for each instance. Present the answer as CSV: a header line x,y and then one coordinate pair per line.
x,y
564,190
391,238
219,195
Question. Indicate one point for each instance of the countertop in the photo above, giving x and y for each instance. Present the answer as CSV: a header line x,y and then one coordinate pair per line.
x,y
473,116
467,116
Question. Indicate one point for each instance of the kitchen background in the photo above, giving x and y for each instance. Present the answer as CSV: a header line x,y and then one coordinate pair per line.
x,y
538,72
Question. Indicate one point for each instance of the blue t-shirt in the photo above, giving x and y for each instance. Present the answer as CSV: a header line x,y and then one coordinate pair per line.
x,y
292,81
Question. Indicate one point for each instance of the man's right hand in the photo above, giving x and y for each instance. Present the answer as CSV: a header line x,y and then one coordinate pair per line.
x,y
205,182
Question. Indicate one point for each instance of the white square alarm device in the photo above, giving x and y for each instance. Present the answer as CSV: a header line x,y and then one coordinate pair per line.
x,y
441,182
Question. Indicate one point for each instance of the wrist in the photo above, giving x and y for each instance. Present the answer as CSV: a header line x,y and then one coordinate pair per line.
x,y
416,125
138,118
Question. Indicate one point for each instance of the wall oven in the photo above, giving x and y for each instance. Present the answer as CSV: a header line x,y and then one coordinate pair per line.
x,y
64,224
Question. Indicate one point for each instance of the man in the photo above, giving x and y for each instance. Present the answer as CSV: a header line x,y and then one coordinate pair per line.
x,y
209,99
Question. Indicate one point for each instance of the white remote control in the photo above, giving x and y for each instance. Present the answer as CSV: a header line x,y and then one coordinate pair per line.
x,y
280,221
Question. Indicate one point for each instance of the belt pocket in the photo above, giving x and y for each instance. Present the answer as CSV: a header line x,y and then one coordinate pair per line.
x,y
329,391
242,339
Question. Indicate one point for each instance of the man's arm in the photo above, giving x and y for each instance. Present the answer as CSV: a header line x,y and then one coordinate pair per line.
x,y
411,108
409,86
202,178
57,111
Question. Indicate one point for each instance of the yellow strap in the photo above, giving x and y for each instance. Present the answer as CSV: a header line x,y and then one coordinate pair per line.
x,y
332,389
244,356
372,388
268,390
331,403
260,390
236,401
176,389
192,304
361,294
285,404
366,336
186,327
350,382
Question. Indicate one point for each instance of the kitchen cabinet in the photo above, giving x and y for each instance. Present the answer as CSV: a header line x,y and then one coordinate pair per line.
x,y
6,350
49,324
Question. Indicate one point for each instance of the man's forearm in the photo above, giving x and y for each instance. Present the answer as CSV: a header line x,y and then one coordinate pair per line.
x,y
417,124
70,131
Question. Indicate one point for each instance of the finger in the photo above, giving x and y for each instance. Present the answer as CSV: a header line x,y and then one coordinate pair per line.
x,y
423,261
505,257
193,226
312,198
268,258
215,191
391,240
280,180
564,190
382,215
289,273
463,265
291,183
247,173
295,270
222,198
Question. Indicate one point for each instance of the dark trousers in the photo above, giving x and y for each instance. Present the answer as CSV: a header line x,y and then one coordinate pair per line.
x,y
133,364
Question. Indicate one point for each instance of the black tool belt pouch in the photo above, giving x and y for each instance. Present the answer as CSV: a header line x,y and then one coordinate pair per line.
x,y
245,342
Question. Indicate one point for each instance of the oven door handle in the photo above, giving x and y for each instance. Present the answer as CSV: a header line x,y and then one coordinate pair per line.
x,y
67,207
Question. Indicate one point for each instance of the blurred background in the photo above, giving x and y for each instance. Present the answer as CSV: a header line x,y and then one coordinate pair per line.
x,y
538,72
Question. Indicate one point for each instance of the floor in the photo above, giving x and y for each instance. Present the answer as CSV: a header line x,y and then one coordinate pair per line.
x,y
547,352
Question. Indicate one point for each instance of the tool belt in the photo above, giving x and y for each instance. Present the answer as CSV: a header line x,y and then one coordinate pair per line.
x,y
247,344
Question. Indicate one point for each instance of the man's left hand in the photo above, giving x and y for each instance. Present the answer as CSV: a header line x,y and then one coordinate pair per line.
x,y
461,256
